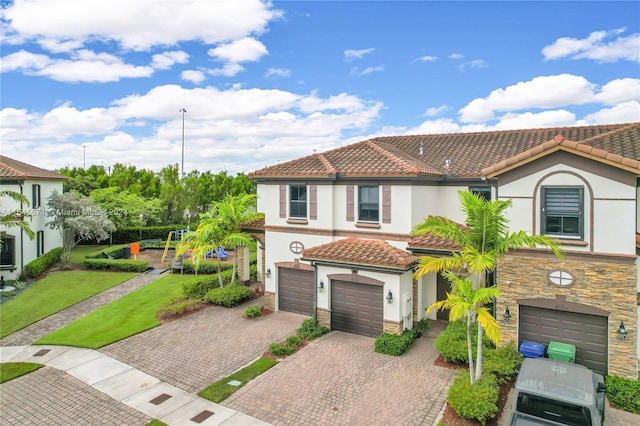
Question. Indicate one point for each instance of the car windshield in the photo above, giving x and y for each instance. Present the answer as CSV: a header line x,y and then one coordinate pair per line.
x,y
556,411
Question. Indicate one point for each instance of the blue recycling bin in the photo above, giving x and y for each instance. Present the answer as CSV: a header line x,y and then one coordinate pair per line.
x,y
532,349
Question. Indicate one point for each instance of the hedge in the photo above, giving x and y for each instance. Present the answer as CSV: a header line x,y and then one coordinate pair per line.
x,y
477,401
229,296
39,265
198,287
117,265
392,344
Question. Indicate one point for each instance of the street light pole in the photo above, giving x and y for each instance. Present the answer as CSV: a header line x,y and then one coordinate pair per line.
x,y
84,156
183,111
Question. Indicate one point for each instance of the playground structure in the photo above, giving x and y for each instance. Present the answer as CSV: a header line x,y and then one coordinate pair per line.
x,y
177,236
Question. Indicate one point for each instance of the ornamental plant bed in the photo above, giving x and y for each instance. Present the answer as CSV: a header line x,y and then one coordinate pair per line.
x,y
268,354
451,418
165,316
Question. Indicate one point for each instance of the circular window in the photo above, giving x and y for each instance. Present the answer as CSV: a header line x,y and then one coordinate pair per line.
x,y
561,278
296,247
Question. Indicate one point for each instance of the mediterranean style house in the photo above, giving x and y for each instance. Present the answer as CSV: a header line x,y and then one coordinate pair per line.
x,y
335,242
36,185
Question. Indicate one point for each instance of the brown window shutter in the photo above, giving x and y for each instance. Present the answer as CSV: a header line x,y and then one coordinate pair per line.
x,y
313,202
386,204
350,203
283,200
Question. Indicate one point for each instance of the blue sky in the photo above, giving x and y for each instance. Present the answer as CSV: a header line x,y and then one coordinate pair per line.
x,y
102,82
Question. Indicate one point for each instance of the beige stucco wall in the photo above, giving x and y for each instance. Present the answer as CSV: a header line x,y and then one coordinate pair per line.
x,y
602,283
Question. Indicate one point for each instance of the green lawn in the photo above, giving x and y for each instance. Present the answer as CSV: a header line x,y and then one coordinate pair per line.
x,y
54,293
80,252
11,370
221,390
122,318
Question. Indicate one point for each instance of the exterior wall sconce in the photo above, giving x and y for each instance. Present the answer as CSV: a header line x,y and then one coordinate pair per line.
x,y
268,272
622,332
321,285
507,314
389,297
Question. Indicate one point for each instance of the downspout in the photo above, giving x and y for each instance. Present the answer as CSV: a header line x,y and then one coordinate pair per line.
x,y
314,314
21,232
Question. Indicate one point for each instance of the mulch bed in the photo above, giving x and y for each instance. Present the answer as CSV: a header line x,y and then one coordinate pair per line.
x,y
451,418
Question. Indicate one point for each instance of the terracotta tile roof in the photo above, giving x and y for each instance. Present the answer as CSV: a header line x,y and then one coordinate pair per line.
x,y
356,251
433,242
256,224
14,169
468,154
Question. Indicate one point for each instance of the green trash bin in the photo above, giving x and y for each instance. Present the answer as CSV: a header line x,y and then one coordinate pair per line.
x,y
126,252
561,351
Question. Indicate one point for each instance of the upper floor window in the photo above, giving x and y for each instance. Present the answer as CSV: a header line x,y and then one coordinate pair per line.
x,y
482,191
298,201
562,211
35,198
368,203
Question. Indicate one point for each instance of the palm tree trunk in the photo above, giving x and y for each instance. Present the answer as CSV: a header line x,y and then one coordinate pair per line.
x,y
470,351
479,353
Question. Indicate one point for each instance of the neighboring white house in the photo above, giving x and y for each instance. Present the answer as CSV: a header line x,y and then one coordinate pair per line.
x,y
36,185
336,243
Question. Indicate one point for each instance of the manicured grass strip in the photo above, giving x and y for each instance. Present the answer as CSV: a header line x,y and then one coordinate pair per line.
x,y
54,293
221,390
11,370
156,422
122,318
79,253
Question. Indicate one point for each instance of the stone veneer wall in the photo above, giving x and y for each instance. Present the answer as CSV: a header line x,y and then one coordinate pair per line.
x,y
393,327
270,300
323,316
240,253
603,284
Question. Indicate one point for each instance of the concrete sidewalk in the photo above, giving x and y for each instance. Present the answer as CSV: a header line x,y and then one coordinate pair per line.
x,y
129,386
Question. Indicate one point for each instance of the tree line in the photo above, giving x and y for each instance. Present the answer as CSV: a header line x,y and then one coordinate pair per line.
x,y
140,197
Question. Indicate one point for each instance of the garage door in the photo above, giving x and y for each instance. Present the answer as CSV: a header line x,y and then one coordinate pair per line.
x,y
587,332
295,290
356,308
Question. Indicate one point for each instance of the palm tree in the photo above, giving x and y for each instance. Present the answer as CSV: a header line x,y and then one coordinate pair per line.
x,y
233,211
469,303
16,218
218,228
482,241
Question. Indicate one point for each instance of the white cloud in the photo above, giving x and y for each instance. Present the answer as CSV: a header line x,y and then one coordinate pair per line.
x,y
456,56
539,92
427,58
433,111
627,112
136,25
530,120
194,76
234,53
619,91
359,72
602,46
351,55
476,63
165,60
277,72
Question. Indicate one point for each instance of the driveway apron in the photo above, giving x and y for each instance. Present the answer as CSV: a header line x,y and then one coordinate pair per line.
x,y
339,379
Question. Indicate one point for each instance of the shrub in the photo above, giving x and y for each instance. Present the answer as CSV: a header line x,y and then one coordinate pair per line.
x,y
177,307
502,362
280,349
293,341
422,326
624,393
253,311
229,296
474,402
198,287
117,265
452,342
310,329
392,344
40,264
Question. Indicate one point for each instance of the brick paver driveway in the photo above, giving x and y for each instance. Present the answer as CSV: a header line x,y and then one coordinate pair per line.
x,y
197,350
339,379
